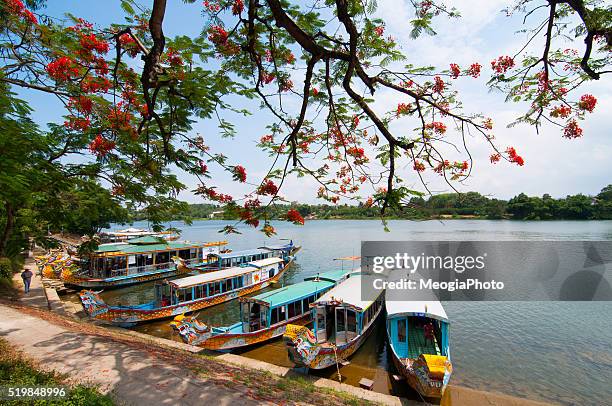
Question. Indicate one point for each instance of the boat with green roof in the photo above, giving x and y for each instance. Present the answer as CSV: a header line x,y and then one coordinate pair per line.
x,y
262,317
138,260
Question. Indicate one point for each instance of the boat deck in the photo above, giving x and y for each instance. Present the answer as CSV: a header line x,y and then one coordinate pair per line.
x,y
417,344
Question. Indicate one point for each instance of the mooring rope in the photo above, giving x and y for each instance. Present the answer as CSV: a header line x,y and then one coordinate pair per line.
x,y
337,366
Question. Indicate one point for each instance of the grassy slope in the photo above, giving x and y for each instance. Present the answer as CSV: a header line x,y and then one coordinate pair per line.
x,y
16,370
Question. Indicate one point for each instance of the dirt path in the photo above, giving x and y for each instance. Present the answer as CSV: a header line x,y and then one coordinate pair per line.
x,y
131,375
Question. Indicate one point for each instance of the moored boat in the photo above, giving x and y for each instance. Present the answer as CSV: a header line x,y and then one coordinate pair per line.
x,y
262,317
132,232
189,294
343,319
418,334
138,260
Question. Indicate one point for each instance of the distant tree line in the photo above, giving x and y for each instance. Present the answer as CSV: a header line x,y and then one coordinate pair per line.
x,y
454,205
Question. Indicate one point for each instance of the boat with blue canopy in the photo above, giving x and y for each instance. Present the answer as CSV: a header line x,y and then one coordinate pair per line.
x,y
343,319
262,317
419,336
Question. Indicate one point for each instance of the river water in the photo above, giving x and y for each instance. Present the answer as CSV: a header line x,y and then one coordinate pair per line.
x,y
552,351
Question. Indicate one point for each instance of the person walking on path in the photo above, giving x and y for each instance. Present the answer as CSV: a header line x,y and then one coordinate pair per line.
x,y
26,275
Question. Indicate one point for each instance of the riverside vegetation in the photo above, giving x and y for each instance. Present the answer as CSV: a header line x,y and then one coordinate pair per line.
x,y
458,205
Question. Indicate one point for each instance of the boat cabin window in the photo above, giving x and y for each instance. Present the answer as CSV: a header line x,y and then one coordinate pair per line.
x,y
271,273
254,316
164,294
401,330
277,315
200,291
227,285
238,282
184,254
306,303
294,309
185,295
214,288
162,257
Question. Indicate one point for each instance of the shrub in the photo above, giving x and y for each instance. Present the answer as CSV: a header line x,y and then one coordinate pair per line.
x,y
6,268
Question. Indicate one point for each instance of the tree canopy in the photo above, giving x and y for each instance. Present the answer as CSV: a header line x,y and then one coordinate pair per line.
x,y
132,95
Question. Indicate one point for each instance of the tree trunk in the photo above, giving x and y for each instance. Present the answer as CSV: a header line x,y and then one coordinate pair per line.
x,y
8,228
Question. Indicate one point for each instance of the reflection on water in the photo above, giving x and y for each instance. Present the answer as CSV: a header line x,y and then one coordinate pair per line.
x,y
552,351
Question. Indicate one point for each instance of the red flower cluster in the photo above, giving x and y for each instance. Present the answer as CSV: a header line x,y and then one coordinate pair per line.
x,y
62,69
437,126
203,167
217,35
173,58
474,70
212,194
16,7
502,64
82,104
402,108
442,166
380,30
514,157
315,91
77,123
285,85
237,7
295,217
358,154
211,6
267,188
419,166
290,58
100,146
129,44
119,119
561,111
267,78
92,43
95,85
587,102
455,71
266,139
239,173
572,130
495,158
438,86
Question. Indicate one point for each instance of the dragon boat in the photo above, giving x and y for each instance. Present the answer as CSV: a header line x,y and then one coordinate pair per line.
x,y
418,334
189,294
138,260
343,319
262,317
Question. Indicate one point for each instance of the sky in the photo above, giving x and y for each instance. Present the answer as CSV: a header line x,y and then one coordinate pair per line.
x,y
553,164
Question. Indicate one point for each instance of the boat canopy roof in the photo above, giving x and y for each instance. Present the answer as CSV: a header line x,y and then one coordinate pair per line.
x,y
277,247
432,309
349,292
265,262
243,253
211,277
332,276
147,239
291,293
123,248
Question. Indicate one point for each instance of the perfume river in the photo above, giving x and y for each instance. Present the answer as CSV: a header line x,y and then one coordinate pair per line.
x,y
551,351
